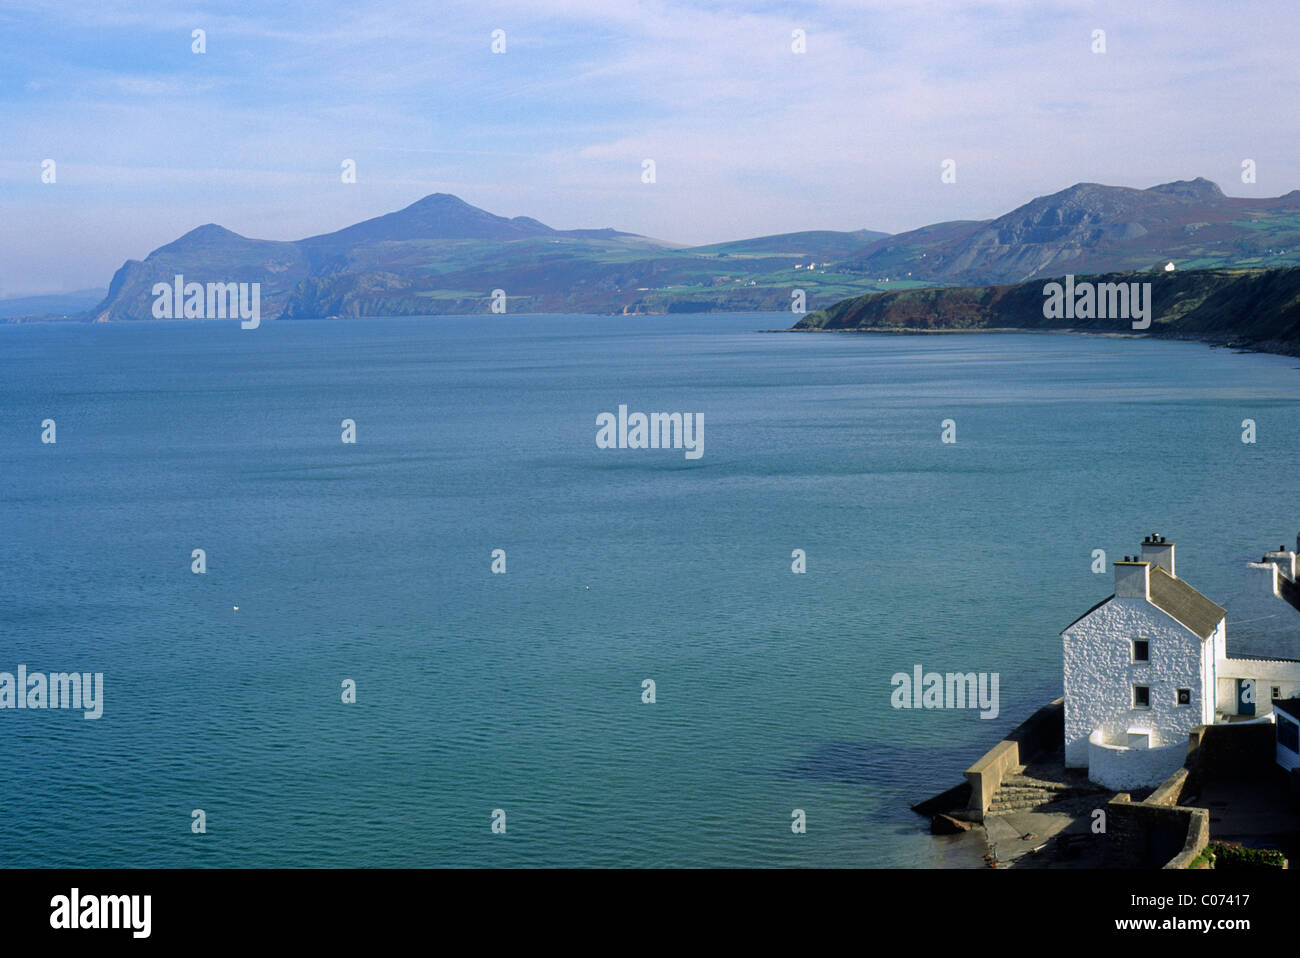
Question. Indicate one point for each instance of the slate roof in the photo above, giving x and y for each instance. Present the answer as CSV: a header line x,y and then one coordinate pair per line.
x,y
1178,599
1260,623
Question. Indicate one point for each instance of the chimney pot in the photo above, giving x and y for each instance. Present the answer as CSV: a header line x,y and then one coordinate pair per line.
x,y
1133,581
1159,552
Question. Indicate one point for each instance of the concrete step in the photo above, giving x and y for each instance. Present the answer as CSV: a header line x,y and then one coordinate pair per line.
x,y
1020,793
1024,781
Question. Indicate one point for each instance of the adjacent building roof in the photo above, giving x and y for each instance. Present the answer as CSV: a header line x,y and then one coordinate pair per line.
x,y
1290,706
1178,599
1259,622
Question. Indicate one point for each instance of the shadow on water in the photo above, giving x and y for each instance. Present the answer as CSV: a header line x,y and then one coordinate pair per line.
x,y
902,775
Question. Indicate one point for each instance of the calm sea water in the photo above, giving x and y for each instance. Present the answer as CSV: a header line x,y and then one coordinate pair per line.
x,y
522,691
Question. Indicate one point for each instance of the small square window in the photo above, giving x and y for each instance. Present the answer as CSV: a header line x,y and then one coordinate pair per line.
x,y
1141,650
1277,691
1184,696
1141,696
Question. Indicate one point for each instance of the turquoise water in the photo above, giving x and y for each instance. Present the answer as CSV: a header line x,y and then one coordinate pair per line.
x,y
522,691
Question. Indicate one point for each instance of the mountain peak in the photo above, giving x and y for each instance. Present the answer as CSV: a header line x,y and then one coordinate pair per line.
x,y
1199,189
436,216
209,231
439,201
207,236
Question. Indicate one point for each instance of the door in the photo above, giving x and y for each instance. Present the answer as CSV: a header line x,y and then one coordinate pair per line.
x,y
1245,696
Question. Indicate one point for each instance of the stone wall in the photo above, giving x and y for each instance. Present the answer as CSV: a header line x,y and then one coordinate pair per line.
x,y
1144,835
1173,790
1238,750
1041,733
1161,833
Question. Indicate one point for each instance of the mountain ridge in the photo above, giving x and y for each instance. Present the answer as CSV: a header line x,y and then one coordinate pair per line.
x,y
441,255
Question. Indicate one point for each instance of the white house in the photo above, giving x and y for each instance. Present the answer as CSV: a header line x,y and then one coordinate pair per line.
x,y
1147,665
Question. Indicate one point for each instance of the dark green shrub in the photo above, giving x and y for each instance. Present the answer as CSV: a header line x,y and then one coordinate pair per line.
x,y
1230,855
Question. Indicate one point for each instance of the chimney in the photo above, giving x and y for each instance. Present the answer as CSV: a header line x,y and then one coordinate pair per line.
x,y
1284,559
1159,552
1262,575
1133,579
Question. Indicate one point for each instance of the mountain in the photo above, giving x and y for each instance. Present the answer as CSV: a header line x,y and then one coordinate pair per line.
x,y
209,253
1091,228
1248,308
51,306
437,216
441,255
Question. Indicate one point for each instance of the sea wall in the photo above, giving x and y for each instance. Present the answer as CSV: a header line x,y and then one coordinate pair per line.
x,y
1041,732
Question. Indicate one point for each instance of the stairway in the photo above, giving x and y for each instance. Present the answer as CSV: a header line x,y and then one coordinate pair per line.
x,y
1020,792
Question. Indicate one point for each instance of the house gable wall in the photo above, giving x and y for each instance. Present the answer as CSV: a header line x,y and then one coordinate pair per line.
x,y
1099,677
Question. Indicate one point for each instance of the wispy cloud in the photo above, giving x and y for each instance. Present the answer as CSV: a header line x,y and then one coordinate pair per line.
x,y
748,136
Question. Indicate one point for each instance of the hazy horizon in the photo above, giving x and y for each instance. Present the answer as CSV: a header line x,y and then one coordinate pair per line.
x,y
749,138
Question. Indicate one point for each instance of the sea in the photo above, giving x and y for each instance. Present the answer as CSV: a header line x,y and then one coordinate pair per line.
x,y
339,678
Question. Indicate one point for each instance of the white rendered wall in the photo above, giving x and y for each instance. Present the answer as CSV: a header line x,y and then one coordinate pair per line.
x,y
1266,673
1122,768
1099,677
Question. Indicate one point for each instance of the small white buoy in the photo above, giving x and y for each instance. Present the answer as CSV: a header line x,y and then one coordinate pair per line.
x,y
236,608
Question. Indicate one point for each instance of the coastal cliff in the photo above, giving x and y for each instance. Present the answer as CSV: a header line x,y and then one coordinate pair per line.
x,y
1256,309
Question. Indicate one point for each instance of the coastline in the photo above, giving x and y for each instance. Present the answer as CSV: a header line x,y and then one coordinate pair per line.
x,y
1270,348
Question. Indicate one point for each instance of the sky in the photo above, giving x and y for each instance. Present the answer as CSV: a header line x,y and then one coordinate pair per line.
x,y
749,137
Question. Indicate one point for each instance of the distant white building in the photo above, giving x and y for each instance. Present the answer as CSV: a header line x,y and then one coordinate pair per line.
x,y
1147,665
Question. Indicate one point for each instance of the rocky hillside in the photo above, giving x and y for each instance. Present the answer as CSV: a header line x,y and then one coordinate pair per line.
x,y
1090,228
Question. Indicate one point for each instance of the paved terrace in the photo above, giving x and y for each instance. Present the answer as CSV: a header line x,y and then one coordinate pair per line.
x,y
1042,817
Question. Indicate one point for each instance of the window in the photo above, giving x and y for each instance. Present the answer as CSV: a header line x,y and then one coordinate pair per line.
x,y
1141,650
1184,696
1141,696
1277,691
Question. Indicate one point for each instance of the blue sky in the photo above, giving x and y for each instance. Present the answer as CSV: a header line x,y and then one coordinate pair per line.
x,y
748,137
